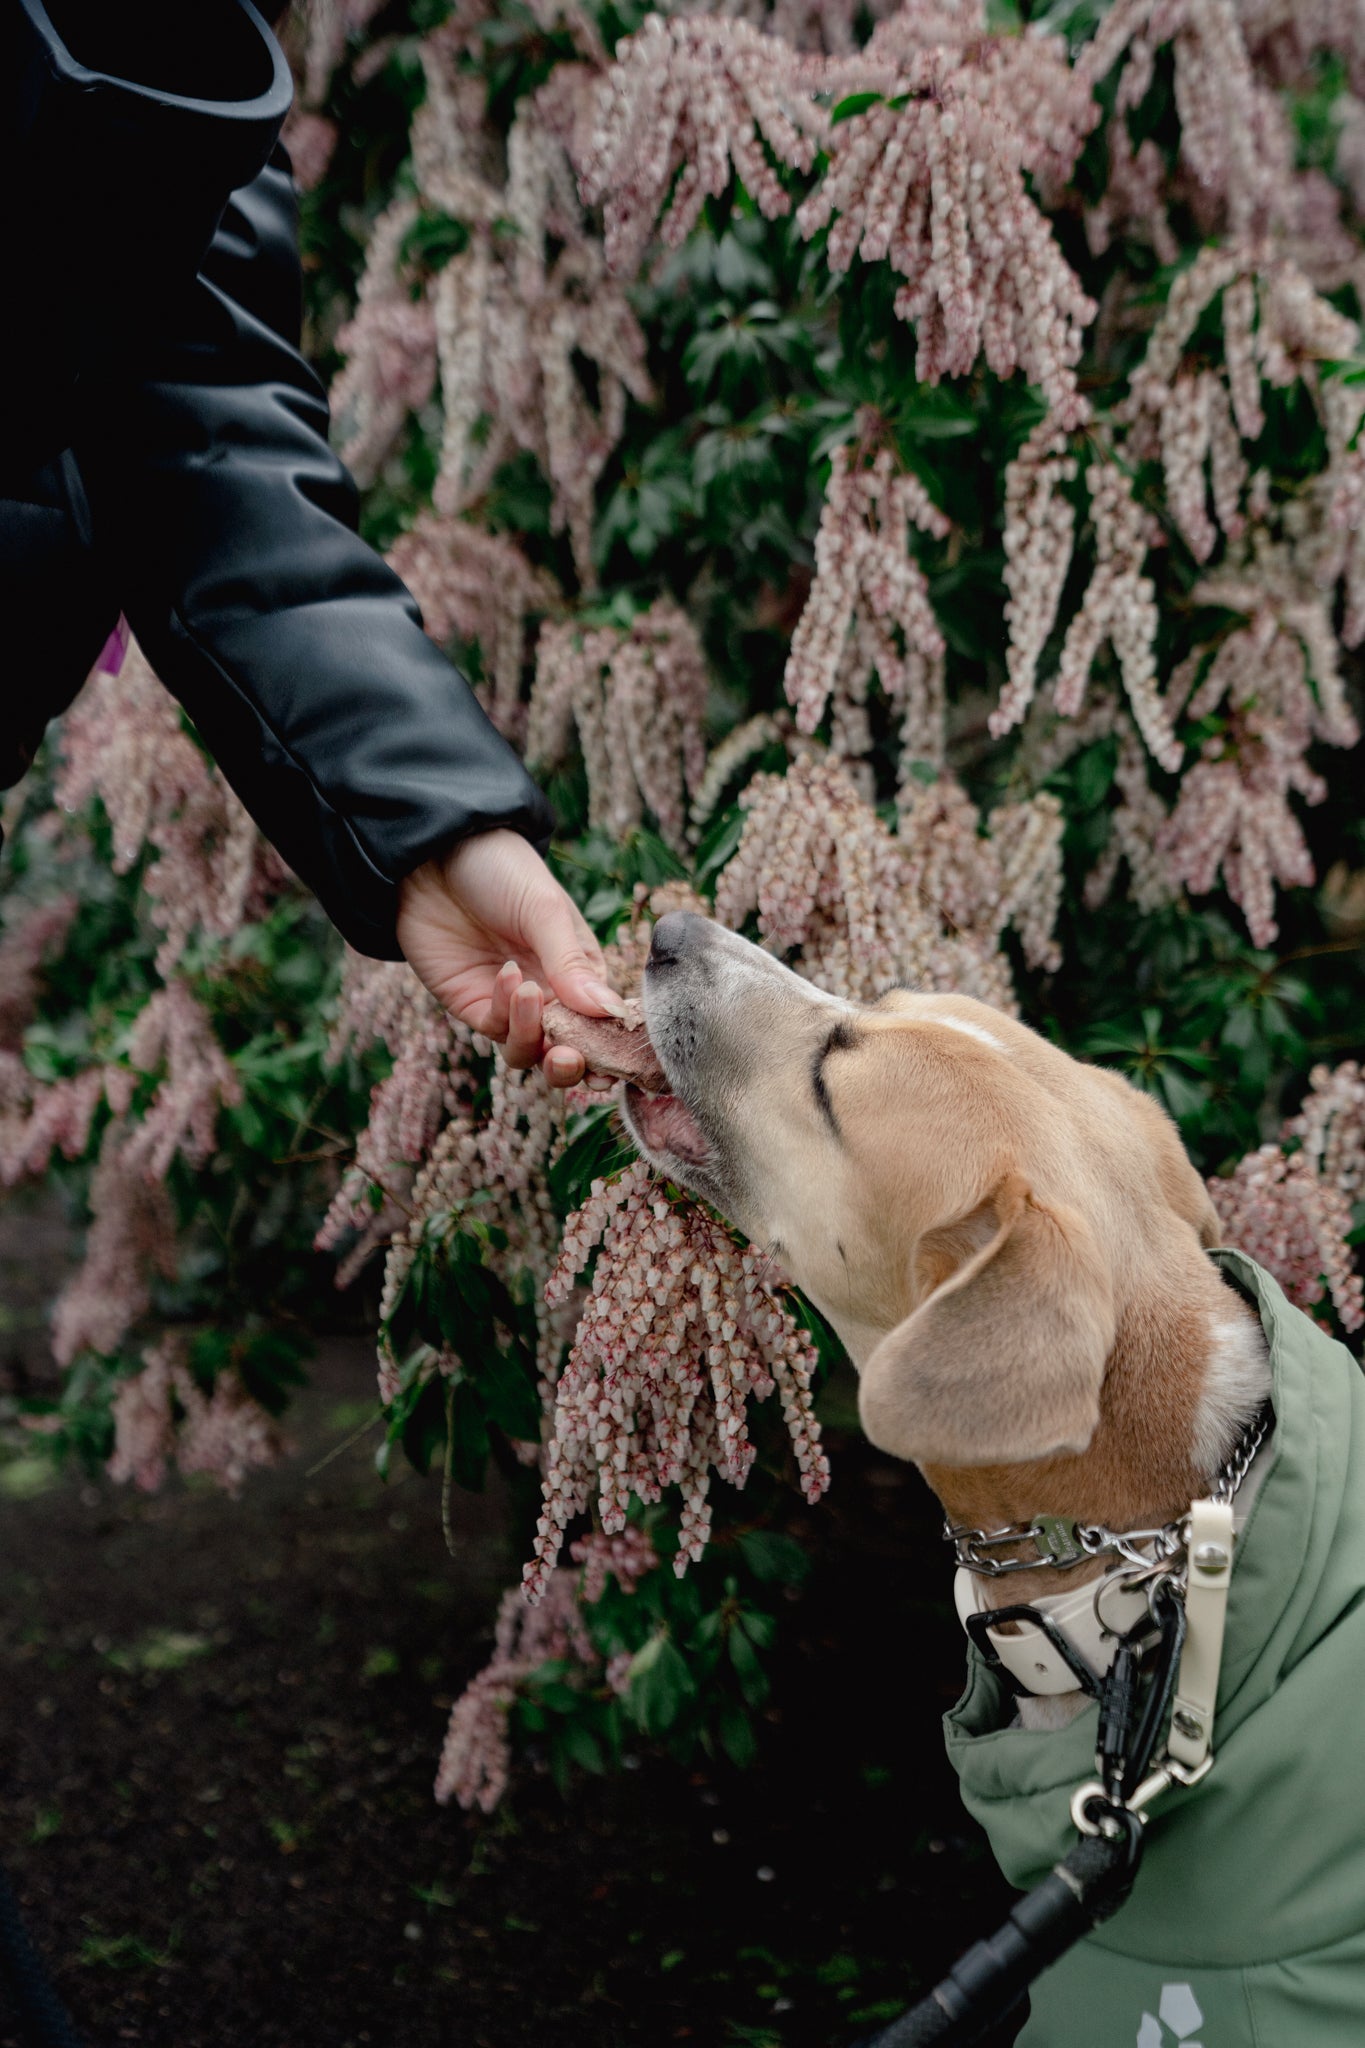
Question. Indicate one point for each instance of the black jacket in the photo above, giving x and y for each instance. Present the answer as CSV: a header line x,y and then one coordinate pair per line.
x,y
163,452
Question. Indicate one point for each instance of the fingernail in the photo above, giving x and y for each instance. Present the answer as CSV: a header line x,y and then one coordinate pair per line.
x,y
605,998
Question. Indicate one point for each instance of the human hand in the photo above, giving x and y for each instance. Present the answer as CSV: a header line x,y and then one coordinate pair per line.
x,y
490,931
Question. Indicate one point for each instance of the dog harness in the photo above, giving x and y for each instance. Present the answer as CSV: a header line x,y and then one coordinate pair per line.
x,y
1145,1639
1245,1927
1065,1642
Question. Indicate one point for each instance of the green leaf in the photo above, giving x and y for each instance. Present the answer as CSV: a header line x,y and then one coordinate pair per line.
x,y
417,1420
854,103
432,240
1092,773
582,1746
661,1685
1184,1097
718,842
468,1450
596,1150
739,268
509,1394
1242,1028
774,1559
937,414
759,1626
737,1736
753,1679
605,906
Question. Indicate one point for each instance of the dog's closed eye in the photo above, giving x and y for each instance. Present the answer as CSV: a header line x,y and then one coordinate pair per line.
x,y
843,1038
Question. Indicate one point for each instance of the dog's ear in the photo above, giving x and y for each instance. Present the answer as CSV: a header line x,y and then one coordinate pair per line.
x,y
1004,1360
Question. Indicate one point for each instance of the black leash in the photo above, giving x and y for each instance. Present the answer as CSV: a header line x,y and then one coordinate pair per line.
x,y
1089,1884
43,2020
1093,1879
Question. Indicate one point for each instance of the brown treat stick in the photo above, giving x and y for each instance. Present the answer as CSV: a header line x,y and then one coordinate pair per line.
x,y
618,1047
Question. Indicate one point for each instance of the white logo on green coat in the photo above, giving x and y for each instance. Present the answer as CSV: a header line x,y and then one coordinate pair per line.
x,y
1179,2012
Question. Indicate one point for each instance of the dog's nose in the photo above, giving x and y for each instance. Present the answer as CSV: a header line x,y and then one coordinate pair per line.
x,y
676,935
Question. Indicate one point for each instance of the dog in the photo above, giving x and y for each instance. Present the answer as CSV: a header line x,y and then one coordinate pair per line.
x,y
1015,1251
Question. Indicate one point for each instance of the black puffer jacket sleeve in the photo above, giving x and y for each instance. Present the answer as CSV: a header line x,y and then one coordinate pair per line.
x,y
231,529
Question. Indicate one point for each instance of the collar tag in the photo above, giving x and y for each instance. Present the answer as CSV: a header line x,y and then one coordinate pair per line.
x,y
1057,1540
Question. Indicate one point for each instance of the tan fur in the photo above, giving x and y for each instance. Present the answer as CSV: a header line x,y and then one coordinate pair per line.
x,y
1039,1395
1009,1243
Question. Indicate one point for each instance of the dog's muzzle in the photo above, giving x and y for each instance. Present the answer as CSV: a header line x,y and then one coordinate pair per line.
x,y
664,1123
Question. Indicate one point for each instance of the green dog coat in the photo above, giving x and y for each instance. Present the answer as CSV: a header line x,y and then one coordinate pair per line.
x,y
1246,1927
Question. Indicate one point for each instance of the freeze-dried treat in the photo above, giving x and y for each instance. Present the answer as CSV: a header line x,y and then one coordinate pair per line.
x,y
618,1047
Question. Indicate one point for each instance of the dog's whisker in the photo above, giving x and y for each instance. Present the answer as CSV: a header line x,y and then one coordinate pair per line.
x,y
770,1253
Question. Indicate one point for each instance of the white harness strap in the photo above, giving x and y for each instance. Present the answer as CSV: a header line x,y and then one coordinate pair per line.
x,y
1094,1626
1206,1610
1027,1654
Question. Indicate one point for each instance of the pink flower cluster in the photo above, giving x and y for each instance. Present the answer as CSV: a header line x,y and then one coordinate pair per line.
x,y
173,1031
1293,1209
636,696
495,1170
132,1227
27,941
1040,531
1330,1126
625,1557
507,320
868,611
161,1416
130,1241
1136,835
479,586
1293,1222
693,95
476,1754
828,881
124,741
1279,687
1119,605
863,909
389,345
931,177
40,1118
677,1333
1234,141
427,1082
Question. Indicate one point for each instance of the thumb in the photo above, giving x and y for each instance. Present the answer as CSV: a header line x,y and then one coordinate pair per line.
x,y
571,961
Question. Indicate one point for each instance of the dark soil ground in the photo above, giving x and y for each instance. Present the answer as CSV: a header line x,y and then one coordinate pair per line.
x,y
219,1724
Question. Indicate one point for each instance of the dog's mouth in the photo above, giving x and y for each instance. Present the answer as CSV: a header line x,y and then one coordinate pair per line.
x,y
663,1123
620,1049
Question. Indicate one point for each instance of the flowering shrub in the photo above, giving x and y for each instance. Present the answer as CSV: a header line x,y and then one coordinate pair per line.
x,y
897,472
161,1061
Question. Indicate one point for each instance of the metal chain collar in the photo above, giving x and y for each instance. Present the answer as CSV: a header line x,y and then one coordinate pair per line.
x,y
1062,1544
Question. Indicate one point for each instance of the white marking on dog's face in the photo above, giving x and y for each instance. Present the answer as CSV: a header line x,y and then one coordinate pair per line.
x,y
976,1031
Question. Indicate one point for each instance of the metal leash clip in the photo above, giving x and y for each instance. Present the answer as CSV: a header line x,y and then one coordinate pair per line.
x,y
1093,1812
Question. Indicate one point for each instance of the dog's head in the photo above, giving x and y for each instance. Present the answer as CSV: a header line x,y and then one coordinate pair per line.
x,y
971,1209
